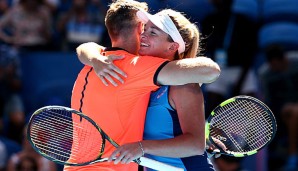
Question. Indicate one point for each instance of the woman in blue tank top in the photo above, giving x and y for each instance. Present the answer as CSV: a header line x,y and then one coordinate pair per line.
x,y
163,122
175,121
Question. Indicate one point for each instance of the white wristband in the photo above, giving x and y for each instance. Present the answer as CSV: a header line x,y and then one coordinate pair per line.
x,y
141,147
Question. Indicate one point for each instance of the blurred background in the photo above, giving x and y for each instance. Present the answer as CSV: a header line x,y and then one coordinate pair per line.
x,y
254,41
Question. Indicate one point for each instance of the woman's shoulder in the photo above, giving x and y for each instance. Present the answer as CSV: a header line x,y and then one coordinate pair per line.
x,y
186,87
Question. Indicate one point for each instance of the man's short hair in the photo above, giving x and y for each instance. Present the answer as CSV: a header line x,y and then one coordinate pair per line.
x,y
121,16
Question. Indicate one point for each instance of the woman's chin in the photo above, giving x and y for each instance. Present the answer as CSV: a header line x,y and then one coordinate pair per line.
x,y
143,51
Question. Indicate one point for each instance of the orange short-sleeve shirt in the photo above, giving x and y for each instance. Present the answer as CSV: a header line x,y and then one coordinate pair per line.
x,y
120,111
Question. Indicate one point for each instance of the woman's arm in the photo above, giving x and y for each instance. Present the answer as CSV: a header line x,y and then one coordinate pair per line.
x,y
90,54
191,70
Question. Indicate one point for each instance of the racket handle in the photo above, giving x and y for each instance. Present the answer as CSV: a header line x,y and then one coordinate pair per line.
x,y
153,164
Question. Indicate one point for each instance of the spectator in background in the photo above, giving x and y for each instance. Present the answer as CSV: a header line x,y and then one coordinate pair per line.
x,y
7,148
53,5
10,78
232,43
27,164
27,25
83,22
279,83
228,163
3,156
18,160
14,119
3,7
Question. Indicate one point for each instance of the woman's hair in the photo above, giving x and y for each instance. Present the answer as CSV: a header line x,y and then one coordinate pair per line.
x,y
189,32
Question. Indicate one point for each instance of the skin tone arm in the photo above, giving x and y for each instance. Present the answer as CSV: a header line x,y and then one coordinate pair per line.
x,y
88,54
190,109
198,70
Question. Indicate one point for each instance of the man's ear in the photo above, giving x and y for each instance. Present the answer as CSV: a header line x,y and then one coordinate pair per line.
x,y
174,46
140,27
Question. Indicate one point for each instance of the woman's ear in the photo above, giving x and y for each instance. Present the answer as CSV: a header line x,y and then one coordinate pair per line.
x,y
174,46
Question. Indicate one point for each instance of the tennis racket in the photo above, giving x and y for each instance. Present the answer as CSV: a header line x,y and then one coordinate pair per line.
x,y
69,137
243,124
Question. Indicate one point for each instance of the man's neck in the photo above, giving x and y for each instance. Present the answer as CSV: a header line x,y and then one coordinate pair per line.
x,y
128,44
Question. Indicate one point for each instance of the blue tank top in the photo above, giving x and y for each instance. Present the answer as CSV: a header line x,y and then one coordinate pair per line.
x,y
162,123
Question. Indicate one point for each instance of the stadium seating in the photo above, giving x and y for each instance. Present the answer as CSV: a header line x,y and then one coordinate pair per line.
x,y
196,10
249,8
280,10
48,77
285,33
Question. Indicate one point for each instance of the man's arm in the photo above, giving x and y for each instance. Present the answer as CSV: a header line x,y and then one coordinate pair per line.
x,y
179,72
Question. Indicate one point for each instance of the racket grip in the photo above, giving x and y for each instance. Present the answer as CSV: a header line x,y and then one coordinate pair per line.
x,y
153,164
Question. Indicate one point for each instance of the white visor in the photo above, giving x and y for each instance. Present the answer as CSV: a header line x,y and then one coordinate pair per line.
x,y
164,22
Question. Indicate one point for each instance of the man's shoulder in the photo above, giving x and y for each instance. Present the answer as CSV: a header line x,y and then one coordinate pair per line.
x,y
136,59
117,52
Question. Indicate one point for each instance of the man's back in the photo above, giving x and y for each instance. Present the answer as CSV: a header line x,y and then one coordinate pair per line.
x,y
119,111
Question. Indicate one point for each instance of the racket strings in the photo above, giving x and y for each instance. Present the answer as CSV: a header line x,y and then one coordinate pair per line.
x,y
224,123
45,134
50,143
249,132
62,136
260,129
75,146
255,125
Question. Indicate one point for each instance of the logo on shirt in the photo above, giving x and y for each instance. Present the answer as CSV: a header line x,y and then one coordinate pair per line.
x,y
164,90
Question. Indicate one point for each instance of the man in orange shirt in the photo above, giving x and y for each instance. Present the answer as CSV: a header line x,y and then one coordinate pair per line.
x,y
120,111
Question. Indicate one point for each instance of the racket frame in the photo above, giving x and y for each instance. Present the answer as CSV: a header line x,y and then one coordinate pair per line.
x,y
147,162
102,134
228,101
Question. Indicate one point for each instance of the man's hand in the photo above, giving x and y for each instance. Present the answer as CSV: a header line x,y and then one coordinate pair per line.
x,y
107,71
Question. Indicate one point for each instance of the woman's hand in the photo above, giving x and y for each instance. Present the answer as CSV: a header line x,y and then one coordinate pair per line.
x,y
107,71
126,153
212,150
